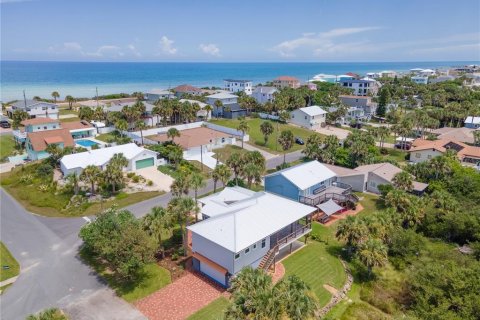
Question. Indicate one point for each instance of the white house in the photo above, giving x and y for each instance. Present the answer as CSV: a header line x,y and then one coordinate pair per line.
x,y
264,94
245,228
34,108
362,87
234,86
137,157
419,79
156,94
312,117
472,122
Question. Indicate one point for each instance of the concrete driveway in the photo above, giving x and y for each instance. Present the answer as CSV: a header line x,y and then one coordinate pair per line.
x,y
161,181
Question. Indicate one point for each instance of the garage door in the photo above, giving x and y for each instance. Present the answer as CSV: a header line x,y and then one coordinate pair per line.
x,y
212,273
144,163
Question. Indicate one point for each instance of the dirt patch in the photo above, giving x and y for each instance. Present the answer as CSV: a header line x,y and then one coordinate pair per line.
x,y
330,289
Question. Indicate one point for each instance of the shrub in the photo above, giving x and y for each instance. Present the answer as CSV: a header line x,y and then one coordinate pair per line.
x,y
26,178
130,174
44,170
136,179
149,183
174,256
43,188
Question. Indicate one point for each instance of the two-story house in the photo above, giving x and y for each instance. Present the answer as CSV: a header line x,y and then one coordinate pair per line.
x,y
230,108
34,108
312,117
363,87
363,102
286,82
311,183
39,132
243,228
186,89
235,86
264,94
158,94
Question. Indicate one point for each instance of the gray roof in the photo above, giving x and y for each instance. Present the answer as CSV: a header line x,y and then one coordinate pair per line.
x,y
222,95
264,89
20,104
330,207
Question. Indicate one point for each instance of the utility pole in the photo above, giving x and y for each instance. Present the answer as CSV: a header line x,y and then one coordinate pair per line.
x,y
96,90
201,156
25,99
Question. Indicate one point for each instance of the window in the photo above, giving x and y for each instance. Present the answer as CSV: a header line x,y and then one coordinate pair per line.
x,y
372,183
237,255
418,155
247,250
264,242
38,128
54,127
305,117
429,156
254,246
45,128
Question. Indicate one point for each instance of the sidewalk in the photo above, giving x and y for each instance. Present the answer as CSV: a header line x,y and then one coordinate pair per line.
x,y
8,281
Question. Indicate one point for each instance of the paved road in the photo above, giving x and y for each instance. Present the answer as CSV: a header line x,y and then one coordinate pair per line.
x,y
51,273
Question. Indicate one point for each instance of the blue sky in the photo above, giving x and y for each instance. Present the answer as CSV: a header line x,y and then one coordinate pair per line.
x,y
260,30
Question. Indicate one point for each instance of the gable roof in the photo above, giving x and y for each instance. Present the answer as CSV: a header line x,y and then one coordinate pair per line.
x,y
76,125
38,120
306,175
313,110
460,134
244,222
384,170
20,104
265,89
40,139
100,157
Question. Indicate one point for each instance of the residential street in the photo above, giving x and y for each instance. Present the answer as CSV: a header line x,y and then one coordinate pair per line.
x,y
51,273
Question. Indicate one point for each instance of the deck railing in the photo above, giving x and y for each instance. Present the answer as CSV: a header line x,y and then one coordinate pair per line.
x,y
314,201
299,231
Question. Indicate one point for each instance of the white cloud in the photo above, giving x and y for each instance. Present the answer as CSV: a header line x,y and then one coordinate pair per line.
x,y
166,46
107,51
66,47
210,49
134,50
318,42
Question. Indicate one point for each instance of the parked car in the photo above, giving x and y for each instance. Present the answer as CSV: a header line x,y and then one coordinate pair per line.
x,y
5,124
403,146
299,140
356,125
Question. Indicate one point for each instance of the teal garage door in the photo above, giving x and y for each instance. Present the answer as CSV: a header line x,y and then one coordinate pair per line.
x,y
144,163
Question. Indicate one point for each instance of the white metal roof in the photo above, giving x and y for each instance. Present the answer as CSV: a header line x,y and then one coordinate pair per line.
x,y
330,207
244,222
474,120
222,95
101,156
200,103
313,110
307,174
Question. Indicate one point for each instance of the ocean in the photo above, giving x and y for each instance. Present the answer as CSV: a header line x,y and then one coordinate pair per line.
x,y
80,79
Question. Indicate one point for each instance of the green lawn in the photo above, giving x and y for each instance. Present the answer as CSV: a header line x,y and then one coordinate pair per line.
x,y
6,259
256,136
7,146
224,153
154,278
214,311
396,155
70,119
64,111
106,137
51,203
316,265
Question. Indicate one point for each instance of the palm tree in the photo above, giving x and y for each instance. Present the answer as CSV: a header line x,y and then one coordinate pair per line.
x,y
140,125
91,175
235,162
243,126
73,179
209,109
373,253
121,125
99,113
55,153
181,185
286,140
383,133
119,160
85,113
156,222
197,182
70,101
403,181
222,173
172,133
55,95
18,116
113,175
182,207
298,301
156,111
267,129
353,231
252,173
218,104
312,147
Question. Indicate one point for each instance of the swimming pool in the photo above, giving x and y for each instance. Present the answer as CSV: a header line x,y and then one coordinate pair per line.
x,y
86,143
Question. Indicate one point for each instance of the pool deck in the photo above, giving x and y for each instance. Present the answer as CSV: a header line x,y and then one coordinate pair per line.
x,y
100,143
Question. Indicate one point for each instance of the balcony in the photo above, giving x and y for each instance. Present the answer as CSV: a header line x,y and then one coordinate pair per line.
x,y
338,191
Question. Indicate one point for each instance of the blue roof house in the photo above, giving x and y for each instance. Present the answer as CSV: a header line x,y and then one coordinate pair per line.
x,y
310,183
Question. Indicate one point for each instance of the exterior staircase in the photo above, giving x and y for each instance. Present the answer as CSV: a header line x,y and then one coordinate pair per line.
x,y
268,258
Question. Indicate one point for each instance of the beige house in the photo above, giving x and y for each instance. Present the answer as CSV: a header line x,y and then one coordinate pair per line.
x,y
286,82
424,150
